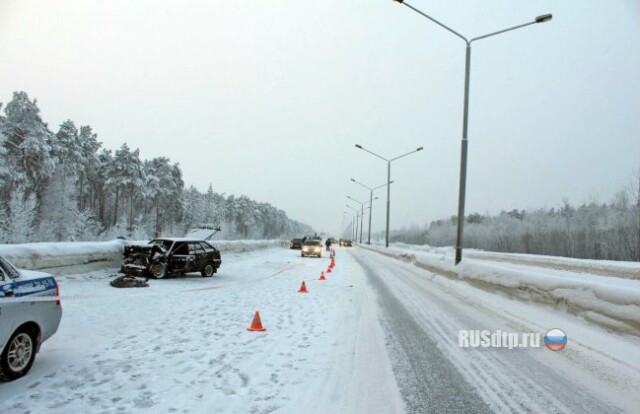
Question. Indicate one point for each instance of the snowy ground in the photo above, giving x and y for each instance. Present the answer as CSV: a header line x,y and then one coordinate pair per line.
x,y
182,345
378,336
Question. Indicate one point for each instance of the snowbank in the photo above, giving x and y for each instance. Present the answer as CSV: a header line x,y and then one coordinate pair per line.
x,y
247,245
50,256
238,245
630,270
76,257
608,301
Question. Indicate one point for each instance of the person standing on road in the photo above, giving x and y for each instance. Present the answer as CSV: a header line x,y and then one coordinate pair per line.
x,y
328,244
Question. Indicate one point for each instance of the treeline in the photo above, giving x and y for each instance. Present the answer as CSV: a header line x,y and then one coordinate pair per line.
x,y
65,186
609,231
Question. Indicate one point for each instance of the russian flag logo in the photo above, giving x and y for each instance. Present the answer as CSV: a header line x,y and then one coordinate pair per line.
x,y
555,340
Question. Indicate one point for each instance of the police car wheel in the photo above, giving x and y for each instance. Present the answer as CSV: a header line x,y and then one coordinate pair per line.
x,y
18,355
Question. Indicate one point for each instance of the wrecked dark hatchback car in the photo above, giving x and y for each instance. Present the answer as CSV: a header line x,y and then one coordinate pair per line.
x,y
161,257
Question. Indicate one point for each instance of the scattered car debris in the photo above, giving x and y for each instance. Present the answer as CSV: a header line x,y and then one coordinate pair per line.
x,y
127,281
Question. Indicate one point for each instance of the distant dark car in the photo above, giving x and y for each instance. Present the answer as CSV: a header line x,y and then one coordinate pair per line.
x,y
346,243
162,257
311,248
295,244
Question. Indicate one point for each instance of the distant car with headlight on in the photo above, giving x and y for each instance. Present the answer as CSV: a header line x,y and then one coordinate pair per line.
x,y
295,244
311,248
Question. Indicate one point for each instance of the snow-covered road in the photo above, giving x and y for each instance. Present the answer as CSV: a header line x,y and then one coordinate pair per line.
x,y
378,336
422,313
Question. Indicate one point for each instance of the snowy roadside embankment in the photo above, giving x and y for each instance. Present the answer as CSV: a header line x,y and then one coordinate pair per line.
x,y
56,257
608,301
628,270
247,245
75,257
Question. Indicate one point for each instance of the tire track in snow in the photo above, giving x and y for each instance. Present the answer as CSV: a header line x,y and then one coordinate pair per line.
x,y
429,382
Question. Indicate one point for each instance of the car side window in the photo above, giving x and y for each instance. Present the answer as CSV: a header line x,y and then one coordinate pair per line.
x,y
182,249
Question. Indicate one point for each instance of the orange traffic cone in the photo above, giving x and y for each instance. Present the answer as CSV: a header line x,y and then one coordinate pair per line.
x,y
303,288
322,276
329,269
256,325
332,264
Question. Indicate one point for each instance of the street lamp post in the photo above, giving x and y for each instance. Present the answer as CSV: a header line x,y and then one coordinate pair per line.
x,y
361,216
362,204
347,229
357,213
388,180
370,201
463,156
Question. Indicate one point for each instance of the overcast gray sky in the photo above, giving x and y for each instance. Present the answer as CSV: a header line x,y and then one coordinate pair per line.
x,y
268,98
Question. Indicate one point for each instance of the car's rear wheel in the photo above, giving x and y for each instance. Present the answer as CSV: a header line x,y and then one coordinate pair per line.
x,y
18,355
158,270
208,270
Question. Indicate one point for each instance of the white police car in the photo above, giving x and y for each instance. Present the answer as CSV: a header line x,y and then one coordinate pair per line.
x,y
25,324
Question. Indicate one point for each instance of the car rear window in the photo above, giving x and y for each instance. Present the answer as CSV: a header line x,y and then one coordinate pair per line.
x,y
195,248
207,247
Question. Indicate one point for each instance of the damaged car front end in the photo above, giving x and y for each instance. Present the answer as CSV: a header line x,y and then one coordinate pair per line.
x,y
161,257
145,260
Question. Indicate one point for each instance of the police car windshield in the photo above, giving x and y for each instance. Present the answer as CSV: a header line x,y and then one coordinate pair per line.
x,y
8,268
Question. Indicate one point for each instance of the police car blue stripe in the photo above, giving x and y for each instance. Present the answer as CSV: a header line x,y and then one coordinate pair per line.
x,y
33,286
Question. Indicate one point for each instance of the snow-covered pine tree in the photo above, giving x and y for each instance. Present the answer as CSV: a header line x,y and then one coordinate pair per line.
x,y
26,141
59,208
21,217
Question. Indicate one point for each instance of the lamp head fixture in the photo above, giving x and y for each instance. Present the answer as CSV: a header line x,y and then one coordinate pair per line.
x,y
543,18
